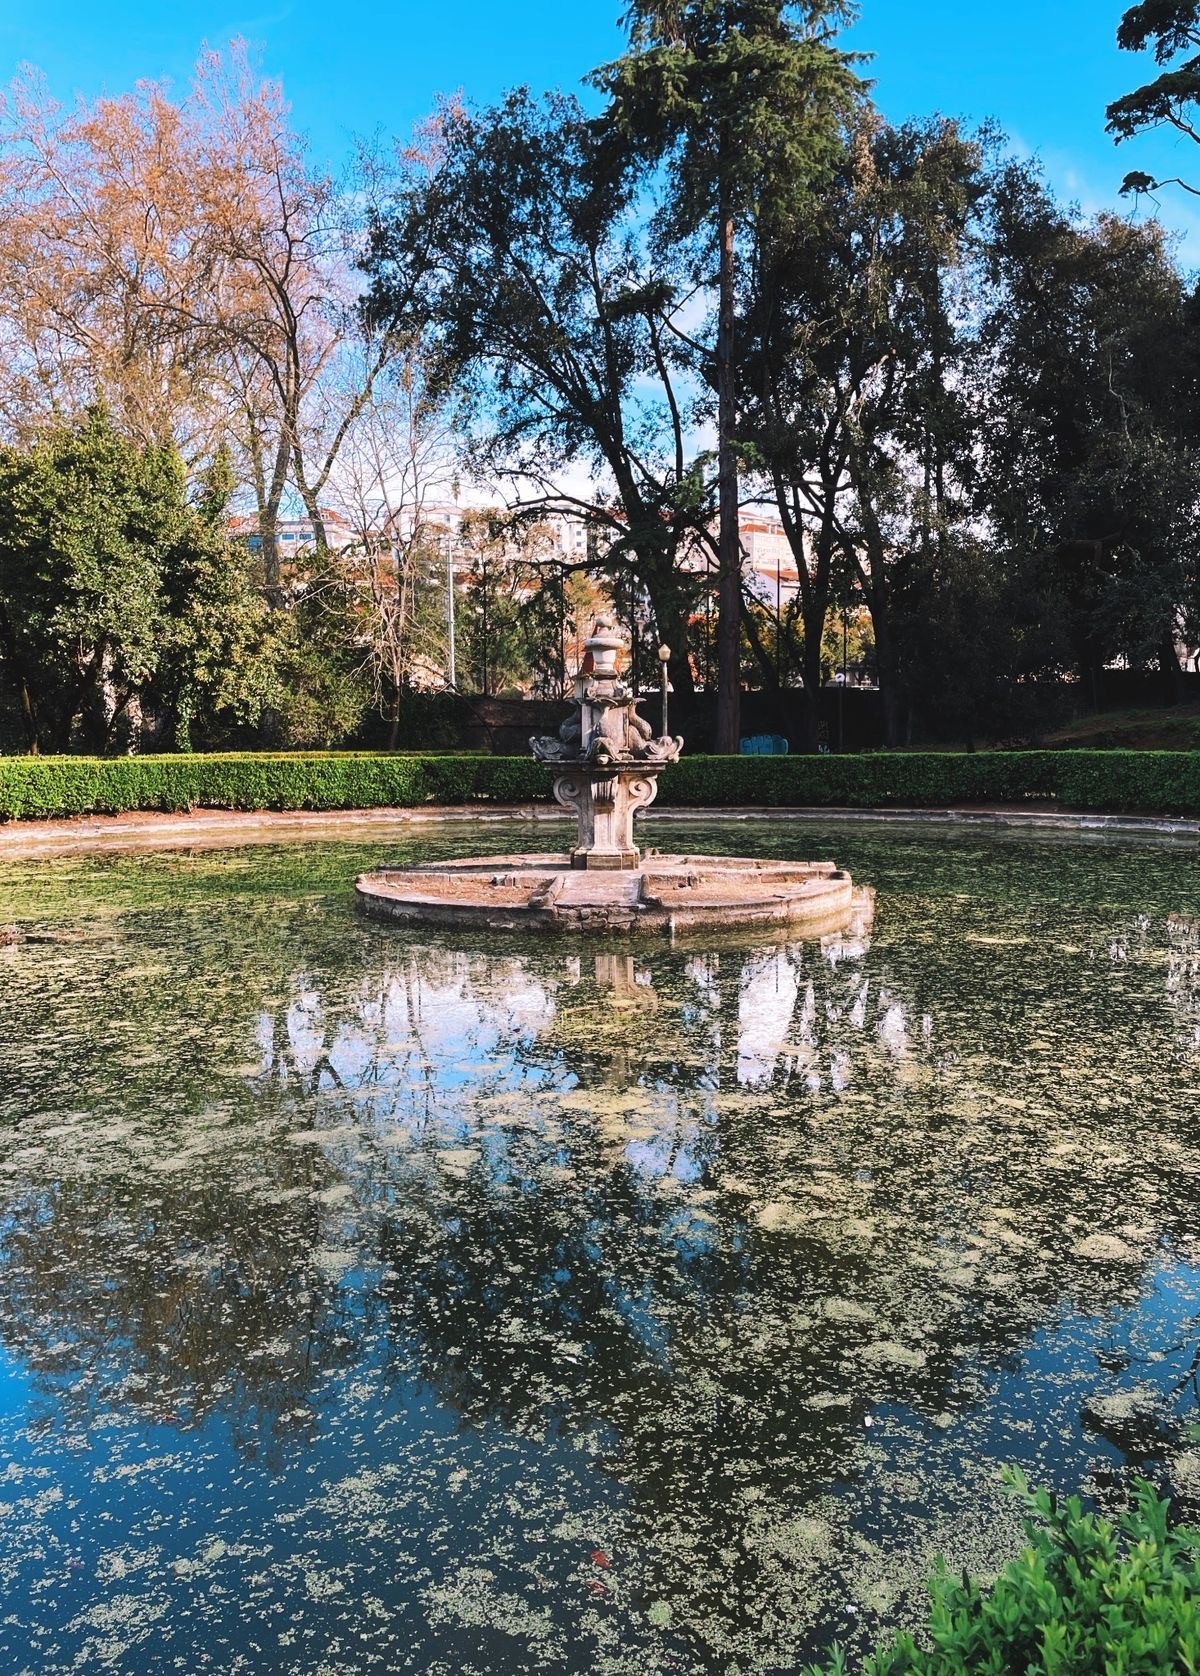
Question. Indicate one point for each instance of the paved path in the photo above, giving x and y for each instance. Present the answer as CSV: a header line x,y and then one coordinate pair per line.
x,y
217,828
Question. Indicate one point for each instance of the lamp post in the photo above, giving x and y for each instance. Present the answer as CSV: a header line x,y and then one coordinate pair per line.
x,y
842,689
664,658
453,672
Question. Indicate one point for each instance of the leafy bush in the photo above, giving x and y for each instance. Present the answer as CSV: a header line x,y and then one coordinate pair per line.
x,y
1086,1597
931,780
45,787
1148,782
1162,782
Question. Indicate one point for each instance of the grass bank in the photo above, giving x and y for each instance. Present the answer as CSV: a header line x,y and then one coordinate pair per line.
x,y
1163,783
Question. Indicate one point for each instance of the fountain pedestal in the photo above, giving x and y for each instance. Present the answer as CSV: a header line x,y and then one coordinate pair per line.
x,y
609,758
605,802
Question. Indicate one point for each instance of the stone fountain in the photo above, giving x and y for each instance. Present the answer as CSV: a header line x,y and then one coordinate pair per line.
x,y
607,757
606,761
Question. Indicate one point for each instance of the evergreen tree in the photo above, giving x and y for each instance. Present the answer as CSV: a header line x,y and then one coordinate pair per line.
x,y
740,104
1172,99
124,611
1087,466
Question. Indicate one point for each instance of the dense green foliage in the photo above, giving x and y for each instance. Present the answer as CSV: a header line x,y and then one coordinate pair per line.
x,y
1152,782
524,222
1172,29
738,108
971,413
1148,782
32,787
119,596
1085,1596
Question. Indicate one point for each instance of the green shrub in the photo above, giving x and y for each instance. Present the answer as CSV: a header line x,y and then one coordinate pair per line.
x,y
47,787
1106,782
1163,782
932,780
1144,782
1086,1598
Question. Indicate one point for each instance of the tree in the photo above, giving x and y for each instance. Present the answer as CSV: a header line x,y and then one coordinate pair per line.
x,y
301,368
396,469
561,340
84,521
1172,28
739,103
185,261
493,650
102,269
115,593
1087,470
850,384
216,668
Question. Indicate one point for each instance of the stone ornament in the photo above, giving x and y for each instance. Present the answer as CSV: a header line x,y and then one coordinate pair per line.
x,y
610,755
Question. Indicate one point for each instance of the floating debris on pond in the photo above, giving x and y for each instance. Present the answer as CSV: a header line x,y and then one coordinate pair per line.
x,y
383,1302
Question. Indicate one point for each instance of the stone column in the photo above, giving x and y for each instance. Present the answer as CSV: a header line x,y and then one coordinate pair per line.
x,y
605,801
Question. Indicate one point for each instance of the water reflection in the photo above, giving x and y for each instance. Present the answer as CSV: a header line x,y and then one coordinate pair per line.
x,y
506,1308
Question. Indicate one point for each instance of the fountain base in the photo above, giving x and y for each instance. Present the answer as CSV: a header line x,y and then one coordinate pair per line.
x,y
661,895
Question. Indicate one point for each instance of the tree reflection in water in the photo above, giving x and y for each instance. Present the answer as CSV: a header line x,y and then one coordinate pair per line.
x,y
541,1307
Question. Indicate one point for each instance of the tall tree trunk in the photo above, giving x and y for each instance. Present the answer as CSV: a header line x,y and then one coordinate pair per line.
x,y
729,545
28,718
814,591
814,630
20,681
1091,677
268,494
657,575
89,676
268,525
311,503
1172,673
889,685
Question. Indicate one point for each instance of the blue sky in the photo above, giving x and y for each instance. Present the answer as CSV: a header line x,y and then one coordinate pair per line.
x,y
1044,69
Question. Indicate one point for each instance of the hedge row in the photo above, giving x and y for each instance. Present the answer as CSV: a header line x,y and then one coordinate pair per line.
x,y
1145,782
46,787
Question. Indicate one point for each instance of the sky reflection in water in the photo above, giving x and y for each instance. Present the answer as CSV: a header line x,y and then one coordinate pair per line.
x,y
377,1303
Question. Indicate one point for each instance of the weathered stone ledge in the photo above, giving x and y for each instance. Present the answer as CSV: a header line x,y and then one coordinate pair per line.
x,y
665,895
217,828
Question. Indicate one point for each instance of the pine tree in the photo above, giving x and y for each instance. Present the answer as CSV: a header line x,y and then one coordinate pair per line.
x,y
739,104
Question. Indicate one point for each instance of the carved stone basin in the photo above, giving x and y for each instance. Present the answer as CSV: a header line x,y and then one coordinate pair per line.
x,y
666,895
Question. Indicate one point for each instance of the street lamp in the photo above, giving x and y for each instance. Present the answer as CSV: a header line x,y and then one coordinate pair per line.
x,y
452,673
664,658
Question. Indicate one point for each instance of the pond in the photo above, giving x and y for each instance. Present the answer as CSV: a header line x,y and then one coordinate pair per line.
x,y
372,1301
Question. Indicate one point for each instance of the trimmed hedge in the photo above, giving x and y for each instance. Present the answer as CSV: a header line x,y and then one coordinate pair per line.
x,y
34,788
1106,782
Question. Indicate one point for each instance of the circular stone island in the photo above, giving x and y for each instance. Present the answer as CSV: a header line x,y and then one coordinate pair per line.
x,y
665,894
